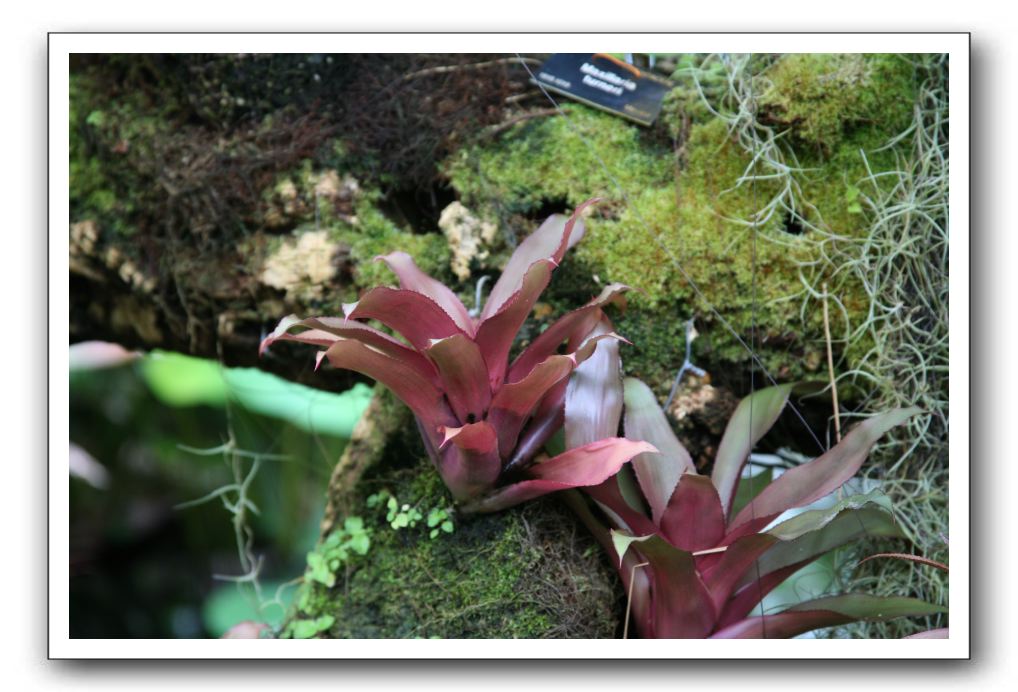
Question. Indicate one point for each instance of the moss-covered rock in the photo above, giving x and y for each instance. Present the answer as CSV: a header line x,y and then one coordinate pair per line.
x,y
820,96
690,206
396,560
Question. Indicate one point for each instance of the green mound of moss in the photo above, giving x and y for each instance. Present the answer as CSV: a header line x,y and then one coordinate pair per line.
x,y
532,572
688,203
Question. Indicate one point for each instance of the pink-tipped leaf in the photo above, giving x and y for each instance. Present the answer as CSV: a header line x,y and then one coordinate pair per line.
x,y
572,328
496,334
588,465
418,318
412,278
514,403
548,243
469,460
405,382
463,374
325,331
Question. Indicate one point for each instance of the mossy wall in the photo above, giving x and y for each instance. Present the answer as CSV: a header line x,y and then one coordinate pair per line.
x,y
688,202
529,572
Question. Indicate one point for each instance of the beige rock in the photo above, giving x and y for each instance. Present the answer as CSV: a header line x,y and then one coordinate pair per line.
x,y
467,236
303,266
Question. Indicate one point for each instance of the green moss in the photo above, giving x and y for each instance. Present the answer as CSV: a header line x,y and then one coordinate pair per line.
x,y
689,211
530,572
545,160
375,234
821,96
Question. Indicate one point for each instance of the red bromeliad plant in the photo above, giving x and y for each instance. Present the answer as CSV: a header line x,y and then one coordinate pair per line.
x,y
695,565
482,419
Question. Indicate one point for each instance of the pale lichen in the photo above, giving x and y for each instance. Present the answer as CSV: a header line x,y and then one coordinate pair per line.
x,y
468,237
303,266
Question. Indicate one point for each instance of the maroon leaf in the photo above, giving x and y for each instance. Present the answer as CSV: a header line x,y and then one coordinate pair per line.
x,y
495,334
680,603
548,243
694,519
415,391
658,474
593,404
573,327
415,316
825,474
782,625
732,565
612,501
412,278
546,421
469,460
747,597
583,466
464,375
514,403
325,331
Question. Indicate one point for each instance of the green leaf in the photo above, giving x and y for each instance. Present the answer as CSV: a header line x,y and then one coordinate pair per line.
x,y
748,488
306,629
318,570
816,519
229,604
871,520
360,544
804,484
658,474
178,380
752,419
860,606
827,612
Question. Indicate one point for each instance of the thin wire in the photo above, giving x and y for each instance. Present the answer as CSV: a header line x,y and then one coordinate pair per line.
x,y
674,260
752,342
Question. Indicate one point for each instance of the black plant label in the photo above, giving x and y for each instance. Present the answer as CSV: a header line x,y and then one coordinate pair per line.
x,y
605,82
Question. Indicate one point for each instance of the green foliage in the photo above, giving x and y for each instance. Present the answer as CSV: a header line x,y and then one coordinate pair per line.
x,y
335,551
439,519
307,629
229,604
180,380
375,234
696,201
